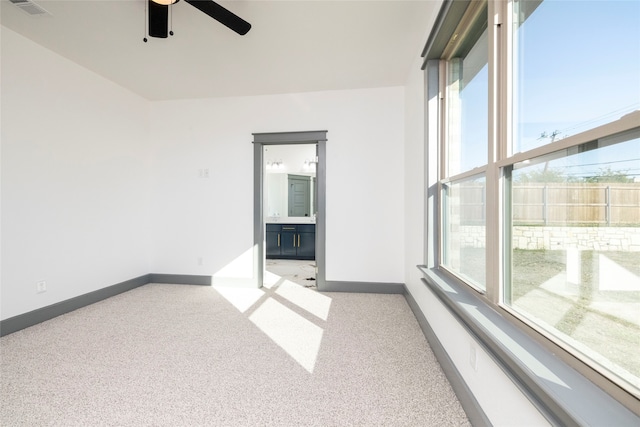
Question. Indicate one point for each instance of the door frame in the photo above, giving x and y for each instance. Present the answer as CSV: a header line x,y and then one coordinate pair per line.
x,y
260,140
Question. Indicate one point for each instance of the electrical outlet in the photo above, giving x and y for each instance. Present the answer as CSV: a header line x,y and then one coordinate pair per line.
x,y
200,261
41,287
473,358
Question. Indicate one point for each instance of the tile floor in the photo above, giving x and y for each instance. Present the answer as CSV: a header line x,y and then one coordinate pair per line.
x,y
301,272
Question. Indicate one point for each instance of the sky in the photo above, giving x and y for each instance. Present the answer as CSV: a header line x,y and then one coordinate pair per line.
x,y
578,68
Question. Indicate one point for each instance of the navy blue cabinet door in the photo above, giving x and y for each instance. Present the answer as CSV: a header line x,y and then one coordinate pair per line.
x,y
288,240
273,244
307,245
306,241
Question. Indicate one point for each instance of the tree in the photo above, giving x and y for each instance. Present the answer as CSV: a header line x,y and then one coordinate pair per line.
x,y
609,175
543,176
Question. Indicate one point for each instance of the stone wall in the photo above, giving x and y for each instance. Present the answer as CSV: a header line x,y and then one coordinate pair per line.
x,y
625,239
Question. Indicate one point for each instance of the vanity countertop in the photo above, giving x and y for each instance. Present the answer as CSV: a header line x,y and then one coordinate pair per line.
x,y
290,220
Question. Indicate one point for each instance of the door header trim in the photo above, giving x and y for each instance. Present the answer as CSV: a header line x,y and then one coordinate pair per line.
x,y
284,138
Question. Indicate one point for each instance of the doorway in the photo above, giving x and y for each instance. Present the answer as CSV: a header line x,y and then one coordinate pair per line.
x,y
308,222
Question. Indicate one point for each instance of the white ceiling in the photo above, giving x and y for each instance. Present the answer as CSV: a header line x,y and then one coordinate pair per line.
x,y
293,46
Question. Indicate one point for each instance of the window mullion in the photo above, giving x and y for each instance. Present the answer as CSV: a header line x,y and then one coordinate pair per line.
x,y
443,118
433,110
494,150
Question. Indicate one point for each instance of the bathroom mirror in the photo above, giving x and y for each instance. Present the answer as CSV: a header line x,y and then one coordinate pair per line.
x,y
290,182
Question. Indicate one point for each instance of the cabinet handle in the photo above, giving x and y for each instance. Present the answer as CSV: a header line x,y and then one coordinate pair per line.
x,y
294,240
278,239
298,240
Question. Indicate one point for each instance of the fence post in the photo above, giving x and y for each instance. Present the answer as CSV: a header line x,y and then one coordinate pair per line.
x,y
607,198
544,204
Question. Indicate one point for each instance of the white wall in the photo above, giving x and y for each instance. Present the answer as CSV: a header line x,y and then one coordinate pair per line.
x,y
92,196
211,219
75,179
501,400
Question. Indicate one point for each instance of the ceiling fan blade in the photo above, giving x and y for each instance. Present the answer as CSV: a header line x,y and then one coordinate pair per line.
x,y
158,19
222,15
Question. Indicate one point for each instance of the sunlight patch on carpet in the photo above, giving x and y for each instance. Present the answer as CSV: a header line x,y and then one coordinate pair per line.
x,y
312,301
297,336
240,298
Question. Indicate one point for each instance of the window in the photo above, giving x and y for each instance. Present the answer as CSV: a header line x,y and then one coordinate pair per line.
x,y
466,148
575,67
533,126
467,101
575,249
464,229
575,212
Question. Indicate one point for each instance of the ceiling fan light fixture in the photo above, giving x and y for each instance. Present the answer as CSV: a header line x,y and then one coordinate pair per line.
x,y
158,13
165,2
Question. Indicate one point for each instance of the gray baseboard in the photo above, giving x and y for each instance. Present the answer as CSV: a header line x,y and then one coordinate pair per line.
x,y
43,314
471,407
22,321
180,279
361,287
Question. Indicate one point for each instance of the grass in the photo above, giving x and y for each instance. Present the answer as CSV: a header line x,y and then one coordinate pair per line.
x,y
608,322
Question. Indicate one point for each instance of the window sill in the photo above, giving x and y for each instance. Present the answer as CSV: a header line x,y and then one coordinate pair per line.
x,y
562,394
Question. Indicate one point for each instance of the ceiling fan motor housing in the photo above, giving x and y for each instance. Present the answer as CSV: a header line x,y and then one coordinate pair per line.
x,y
159,16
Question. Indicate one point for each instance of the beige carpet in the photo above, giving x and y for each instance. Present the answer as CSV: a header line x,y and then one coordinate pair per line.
x,y
177,355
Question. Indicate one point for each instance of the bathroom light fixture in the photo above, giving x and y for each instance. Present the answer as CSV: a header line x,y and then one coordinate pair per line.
x,y
275,165
165,2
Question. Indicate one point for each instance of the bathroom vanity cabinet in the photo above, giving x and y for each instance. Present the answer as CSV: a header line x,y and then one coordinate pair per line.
x,y
291,241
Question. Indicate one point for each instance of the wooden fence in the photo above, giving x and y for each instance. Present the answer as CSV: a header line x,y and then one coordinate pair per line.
x,y
557,204
602,204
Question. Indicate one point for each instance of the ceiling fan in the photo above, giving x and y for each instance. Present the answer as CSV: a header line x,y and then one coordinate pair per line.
x,y
159,16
